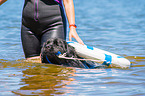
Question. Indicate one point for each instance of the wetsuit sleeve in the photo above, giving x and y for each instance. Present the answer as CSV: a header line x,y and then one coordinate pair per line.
x,y
2,1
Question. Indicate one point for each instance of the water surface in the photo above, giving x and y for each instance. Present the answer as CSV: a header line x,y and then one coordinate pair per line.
x,y
116,26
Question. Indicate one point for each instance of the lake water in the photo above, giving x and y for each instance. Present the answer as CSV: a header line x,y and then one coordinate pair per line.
x,y
117,26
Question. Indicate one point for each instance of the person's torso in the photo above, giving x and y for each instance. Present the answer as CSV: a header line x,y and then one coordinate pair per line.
x,y
41,13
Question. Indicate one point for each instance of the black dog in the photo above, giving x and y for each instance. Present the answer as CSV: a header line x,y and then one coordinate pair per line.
x,y
53,48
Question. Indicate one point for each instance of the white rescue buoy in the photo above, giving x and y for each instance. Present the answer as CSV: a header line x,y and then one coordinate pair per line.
x,y
93,53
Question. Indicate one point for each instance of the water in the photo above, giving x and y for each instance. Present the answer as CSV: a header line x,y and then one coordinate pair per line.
x,y
113,25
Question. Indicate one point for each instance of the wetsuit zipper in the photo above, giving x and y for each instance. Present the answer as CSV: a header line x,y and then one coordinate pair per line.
x,y
36,10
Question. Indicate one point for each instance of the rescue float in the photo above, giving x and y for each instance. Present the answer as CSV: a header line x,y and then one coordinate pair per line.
x,y
96,55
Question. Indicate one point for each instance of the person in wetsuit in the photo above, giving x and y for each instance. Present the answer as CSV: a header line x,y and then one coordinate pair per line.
x,y
45,19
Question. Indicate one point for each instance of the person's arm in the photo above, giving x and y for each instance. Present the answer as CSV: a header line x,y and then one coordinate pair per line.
x,y
2,1
69,8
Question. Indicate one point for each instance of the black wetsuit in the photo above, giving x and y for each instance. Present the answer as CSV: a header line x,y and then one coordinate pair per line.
x,y
41,20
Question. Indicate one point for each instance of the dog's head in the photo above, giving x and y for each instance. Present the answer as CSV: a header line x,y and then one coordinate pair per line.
x,y
54,47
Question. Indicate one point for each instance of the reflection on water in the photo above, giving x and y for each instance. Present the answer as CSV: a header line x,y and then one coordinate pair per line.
x,y
137,61
23,77
34,79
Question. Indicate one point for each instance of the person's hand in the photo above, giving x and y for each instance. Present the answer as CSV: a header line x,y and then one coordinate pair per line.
x,y
73,34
